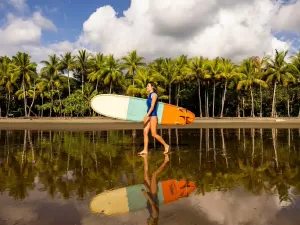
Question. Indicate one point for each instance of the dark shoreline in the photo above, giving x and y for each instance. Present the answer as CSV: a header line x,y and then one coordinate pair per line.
x,y
102,123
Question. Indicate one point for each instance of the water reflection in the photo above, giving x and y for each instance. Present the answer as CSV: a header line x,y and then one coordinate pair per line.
x,y
149,195
66,170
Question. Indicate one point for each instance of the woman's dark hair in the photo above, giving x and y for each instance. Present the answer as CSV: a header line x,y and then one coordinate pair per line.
x,y
153,86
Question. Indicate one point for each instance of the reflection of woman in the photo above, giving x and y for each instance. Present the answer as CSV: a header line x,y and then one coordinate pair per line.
x,y
151,193
150,119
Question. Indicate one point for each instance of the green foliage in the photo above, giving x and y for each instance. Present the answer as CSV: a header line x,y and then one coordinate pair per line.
x,y
75,104
219,85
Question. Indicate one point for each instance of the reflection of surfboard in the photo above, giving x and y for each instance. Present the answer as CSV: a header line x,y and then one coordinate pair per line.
x,y
134,109
131,199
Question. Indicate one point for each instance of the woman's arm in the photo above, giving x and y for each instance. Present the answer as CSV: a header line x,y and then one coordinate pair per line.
x,y
149,199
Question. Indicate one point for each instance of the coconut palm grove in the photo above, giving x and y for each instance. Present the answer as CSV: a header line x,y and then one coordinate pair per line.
x,y
218,87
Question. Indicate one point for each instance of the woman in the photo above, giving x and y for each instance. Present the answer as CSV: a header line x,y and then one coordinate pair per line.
x,y
150,120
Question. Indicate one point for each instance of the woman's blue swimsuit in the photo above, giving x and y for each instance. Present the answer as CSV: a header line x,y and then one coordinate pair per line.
x,y
149,101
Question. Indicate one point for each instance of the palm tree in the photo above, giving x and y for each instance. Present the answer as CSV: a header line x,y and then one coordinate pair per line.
x,y
196,69
51,76
112,72
98,63
259,67
278,72
168,75
25,70
7,79
132,62
248,77
215,69
181,63
82,63
67,62
142,78
41,89
227,74
295,69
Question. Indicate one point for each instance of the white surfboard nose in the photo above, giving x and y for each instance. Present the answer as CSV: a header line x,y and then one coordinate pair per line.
x,y
111,105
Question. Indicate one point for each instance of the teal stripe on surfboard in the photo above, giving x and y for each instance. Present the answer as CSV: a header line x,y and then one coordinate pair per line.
x,y
137,109
136,199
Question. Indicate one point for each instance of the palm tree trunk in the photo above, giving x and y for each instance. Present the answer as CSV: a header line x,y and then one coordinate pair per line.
x,y
223,99
51,100
214,98
42,113
199,95
69,83
243,99
8,104
207,105
82,82
273,103
205,102
33,98
288,102
260,100
110,87
60,104
24,93
288,105
252,102
177,100
170,89
97,84
238,106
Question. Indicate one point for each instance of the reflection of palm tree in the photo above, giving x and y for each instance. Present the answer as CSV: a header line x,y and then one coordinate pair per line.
x,y
282,180
253,177
224,148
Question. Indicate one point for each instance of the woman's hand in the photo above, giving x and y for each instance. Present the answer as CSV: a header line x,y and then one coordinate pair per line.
x,y
145,119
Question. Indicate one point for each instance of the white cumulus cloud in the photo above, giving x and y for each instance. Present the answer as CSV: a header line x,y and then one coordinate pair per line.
x,y
24,34
288,18
232,28
18,4
163,28
43,22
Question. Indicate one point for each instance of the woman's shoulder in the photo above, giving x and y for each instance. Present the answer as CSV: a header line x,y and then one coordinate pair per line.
x,y
153,94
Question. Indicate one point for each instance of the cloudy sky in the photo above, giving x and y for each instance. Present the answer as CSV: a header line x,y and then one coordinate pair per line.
x,y
167,28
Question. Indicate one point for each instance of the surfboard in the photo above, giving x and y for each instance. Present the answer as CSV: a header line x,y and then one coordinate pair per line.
x,y
131,199
134,109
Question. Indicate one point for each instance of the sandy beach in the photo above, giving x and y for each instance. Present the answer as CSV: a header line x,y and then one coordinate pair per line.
x,y
103,123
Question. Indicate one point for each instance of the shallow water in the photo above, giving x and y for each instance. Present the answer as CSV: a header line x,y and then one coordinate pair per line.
x,y
242,176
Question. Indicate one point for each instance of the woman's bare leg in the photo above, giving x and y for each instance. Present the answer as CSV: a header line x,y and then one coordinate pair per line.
x,y
153,122
146,177
153,185
146,138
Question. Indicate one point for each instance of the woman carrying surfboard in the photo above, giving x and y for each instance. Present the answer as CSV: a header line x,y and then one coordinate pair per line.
x,y
150,120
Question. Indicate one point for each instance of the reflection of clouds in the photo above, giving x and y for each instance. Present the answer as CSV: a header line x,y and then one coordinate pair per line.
x,y
238,207
216,208
13,214
38,208
69,176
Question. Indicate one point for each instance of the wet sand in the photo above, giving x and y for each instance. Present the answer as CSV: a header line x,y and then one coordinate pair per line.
x,y
103,123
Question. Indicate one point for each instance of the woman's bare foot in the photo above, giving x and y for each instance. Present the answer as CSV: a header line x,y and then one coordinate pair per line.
x,y
144,152
167,149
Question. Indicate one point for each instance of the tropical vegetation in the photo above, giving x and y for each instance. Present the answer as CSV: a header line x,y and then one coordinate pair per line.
x,y
218,87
